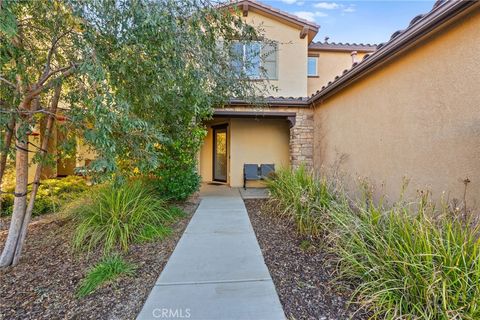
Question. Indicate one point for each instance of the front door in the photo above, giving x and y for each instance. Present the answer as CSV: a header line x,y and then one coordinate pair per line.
x,y
220,154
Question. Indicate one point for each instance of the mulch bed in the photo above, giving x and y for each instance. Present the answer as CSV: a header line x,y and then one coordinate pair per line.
x,y
303,275
43,285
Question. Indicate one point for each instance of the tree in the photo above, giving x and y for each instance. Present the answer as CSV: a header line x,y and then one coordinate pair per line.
x,y
37,55
164,59
134,79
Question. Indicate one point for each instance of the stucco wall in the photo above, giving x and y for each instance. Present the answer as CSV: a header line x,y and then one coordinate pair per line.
x,y
417,117
250,141
257,141
84,154
292,55
330,65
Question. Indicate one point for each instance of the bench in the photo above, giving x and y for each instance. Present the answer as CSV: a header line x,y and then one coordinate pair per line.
x,y
255,172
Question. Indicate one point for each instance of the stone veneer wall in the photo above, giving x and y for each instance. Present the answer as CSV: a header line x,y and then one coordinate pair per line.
x,y
301,134
301,139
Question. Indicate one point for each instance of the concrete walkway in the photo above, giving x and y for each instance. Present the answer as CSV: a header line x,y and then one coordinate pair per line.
x,y
217,270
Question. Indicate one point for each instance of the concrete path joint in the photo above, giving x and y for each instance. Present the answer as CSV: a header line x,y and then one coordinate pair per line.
x,y
217,270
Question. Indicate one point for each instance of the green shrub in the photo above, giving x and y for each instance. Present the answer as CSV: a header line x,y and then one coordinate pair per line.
x,y
177,176
52,195
411,263
151,232
117,215
298,195
110,268
7,203
176,183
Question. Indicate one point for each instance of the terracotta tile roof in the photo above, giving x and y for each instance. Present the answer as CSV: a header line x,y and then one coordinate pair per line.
x,y
419,26
333,46
275,101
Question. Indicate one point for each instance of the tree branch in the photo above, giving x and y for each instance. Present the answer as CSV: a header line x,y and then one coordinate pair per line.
x,y
65,72
50,74
3,158
11,84
46,72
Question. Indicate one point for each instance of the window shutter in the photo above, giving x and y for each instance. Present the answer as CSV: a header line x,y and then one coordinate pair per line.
x,y
269,55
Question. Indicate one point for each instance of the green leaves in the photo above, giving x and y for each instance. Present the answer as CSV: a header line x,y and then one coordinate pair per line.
x,y
408,261
116,215
8,25
166,70
107,270
303,198
144,75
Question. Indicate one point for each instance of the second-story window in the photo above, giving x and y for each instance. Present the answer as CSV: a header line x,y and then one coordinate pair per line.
x,y
312,66
255,59
252,59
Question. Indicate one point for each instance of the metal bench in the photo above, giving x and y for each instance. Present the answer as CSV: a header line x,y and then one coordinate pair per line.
x,y
255,172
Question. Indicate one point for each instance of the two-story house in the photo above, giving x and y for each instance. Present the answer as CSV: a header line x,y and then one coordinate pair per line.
x,y
282,133
408,107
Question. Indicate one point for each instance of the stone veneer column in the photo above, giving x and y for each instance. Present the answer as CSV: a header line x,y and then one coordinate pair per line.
x,y
301,139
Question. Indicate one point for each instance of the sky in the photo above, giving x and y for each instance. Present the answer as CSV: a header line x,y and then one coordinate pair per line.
x,y
355,21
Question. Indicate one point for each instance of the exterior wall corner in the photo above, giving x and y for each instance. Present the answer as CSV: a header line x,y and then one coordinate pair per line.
x,y
301,139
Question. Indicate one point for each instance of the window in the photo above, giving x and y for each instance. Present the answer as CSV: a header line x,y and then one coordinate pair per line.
x,y
252,59
312,66
269,59
255,59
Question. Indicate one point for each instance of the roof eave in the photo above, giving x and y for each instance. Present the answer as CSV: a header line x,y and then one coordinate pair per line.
x,y
246,5
272,102
404,41
344,49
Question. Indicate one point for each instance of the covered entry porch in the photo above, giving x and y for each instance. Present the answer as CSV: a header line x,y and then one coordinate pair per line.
x,y
236,138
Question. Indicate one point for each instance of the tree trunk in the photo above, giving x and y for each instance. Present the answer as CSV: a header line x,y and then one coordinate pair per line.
x,y
20,202
38,173
3,159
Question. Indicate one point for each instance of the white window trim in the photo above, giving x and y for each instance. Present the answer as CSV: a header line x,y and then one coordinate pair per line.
x,y
316,66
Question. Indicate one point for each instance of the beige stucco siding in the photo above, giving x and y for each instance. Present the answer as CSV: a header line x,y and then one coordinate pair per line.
x,y
250,141
85,154
417,117
330,64
292,55
257,141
